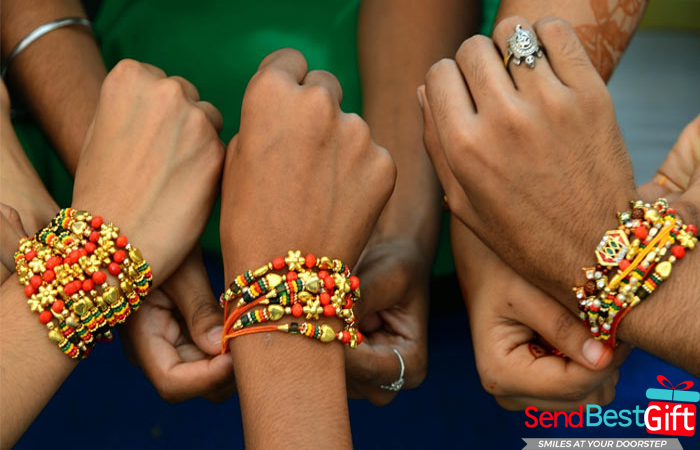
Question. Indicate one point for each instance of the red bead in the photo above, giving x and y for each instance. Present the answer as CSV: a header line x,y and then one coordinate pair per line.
x,y
348,302
45,317
671,211
278,263
624,264
641,232
114,268
692,229
96,222
297,310
90,247
35,282
360,337
329,311
99,277
119,256
346,337
82,251
94,236
88,285
49,276
57,306
74,256
53,262
291,276
68,241
122,241
329,282
31,254
325,298
310,260
354,282
29,290
322,274
678,251
71,288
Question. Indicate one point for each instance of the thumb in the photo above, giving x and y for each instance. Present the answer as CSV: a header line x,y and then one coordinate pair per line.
x,y
683,159
189,289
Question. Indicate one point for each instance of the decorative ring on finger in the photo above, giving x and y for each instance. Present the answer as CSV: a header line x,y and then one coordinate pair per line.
x,y
523,46
398,384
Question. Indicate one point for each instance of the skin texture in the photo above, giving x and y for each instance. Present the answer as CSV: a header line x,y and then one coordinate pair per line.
x,y
398,40
59,75
604,27
526,102
326,183
129,120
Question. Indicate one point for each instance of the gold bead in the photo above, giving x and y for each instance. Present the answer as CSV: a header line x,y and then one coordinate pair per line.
x,y
276,312
327,333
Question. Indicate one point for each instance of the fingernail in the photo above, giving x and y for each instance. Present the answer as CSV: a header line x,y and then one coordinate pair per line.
x,y
420,97
214,335
593,350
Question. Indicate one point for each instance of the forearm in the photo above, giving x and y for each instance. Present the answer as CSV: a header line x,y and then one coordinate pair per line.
x,y
20,185
281,376
398,41
666,324
605,28
59,75
33,368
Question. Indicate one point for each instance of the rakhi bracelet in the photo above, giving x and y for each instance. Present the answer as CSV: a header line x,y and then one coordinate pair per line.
x,y
311,286
633,261
60,268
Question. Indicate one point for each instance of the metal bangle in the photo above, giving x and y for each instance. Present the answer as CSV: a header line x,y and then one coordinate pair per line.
x,y
39,32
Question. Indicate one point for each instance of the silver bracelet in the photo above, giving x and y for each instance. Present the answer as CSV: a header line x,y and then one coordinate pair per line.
x,y
39,32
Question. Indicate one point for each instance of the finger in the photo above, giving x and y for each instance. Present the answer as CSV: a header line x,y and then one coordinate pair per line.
x,y
157,72
326,80
213,114
457,199
653,190
563,330
288,61
190,291
683,159
552,377
527,79
11,231
190,91
173,377
566,55
482,66
451,104
373,365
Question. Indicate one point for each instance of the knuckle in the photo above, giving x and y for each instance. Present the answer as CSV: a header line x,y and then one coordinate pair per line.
x,y
166,391
385,169
320,101
124,72
553,28
169,88
473,46
357,129
439,67
205,312
267,78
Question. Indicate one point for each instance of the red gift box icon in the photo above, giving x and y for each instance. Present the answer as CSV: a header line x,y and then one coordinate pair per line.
x,y
671,417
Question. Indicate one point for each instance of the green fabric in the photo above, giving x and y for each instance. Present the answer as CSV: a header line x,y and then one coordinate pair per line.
x,y
217,45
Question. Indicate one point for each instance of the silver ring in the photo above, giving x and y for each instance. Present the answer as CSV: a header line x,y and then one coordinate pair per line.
x,y
398,384
523,45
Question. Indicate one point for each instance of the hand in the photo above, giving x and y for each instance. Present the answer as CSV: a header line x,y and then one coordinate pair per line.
x,y
513,325
11,231
393,314
533,162
20,185
507,315
175,337
151,162
300,173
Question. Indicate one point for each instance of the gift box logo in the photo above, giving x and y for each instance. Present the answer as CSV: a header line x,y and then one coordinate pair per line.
x,y
672,411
